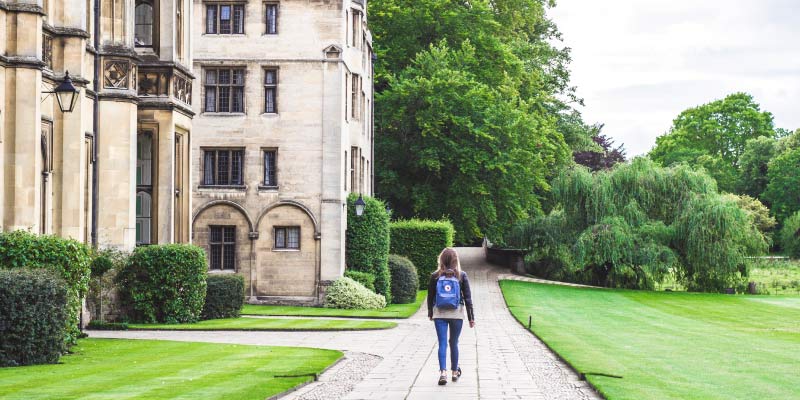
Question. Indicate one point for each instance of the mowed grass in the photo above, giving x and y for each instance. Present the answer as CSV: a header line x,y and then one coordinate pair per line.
x,y
776,277
270,324
391,311
668,345
145,369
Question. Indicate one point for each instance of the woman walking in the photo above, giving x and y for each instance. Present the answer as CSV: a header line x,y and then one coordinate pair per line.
x,y
448,296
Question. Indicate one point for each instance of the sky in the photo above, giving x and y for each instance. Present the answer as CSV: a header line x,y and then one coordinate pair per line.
x,y
639,63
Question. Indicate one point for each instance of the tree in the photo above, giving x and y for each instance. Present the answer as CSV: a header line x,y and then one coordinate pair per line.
x,y
606,158
633,225
783,190
754,164
454,146
714,136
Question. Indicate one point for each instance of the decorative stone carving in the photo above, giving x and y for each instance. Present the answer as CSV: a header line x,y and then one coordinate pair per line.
x,y
47,51
116,74
182,89
153,83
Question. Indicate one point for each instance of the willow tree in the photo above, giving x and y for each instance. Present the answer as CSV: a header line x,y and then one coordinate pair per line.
x,y
636,224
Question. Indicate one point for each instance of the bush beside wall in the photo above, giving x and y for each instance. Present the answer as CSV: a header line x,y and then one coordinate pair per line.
x,y
164,283
790,236
367,247
33,317
346,293
364,278
67,258
421,241
224,296
405,280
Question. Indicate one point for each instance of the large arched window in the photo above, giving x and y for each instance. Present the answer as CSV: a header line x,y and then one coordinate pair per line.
x,y
144,25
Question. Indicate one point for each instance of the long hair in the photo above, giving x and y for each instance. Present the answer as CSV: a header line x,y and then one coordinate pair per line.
x,y
449,265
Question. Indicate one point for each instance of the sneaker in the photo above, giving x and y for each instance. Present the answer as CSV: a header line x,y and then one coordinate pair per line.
x,y
456,374
443,379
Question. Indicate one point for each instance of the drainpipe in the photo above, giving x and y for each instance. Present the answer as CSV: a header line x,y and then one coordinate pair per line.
x,y
95,120
372,124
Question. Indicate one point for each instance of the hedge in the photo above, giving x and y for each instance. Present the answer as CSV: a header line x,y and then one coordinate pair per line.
x,y
364,278
224,296
346,293
421,241
67,258
790,236
404,279
164,283
367,247
33,317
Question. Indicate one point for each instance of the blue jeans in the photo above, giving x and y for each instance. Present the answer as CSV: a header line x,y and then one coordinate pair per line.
x,y
441,332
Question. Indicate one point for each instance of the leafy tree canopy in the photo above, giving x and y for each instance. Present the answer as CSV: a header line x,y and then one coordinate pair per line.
x,y
607,157
638,223
714,136
783,190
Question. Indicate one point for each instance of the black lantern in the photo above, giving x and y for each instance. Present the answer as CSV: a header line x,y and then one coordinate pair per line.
x,y
66,94
360,204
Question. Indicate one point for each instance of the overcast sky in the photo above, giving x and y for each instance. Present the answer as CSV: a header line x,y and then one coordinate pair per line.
x,y
639,63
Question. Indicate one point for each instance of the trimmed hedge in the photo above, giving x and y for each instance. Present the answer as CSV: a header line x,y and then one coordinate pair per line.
x,y
367,247
224,296
364,278
421,241
67,258
790,236
404,279
346,293
164,283
33,317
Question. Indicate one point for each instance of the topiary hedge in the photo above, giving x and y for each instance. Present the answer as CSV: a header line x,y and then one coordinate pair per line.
x,y
33,317
224,296
364,278
421,241
164,283
348,294
67,258
404,279
790,236
367,247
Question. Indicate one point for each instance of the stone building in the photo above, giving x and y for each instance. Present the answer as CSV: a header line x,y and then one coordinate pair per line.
x,y
113,171
282,134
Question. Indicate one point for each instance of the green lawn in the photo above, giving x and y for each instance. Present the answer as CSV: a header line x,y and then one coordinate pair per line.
x,y
146,369
391,311
270,324
669,345
776,277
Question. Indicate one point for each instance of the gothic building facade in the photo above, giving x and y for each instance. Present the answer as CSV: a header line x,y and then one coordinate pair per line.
x,y
283,133
113,169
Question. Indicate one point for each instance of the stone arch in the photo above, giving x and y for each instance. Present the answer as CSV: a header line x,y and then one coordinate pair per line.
x,y
293,203
229,203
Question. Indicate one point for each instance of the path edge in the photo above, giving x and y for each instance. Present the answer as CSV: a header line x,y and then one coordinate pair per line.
x,y
306,383
580,375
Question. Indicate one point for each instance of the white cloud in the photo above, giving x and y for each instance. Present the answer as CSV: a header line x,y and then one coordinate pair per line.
x,y
639,63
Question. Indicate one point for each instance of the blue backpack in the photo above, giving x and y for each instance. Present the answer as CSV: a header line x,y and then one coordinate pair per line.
x,y
448,292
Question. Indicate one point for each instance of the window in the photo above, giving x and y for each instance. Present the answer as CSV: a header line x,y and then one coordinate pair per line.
x,y
224,90
222,167
144,205
144,187
222,243
270,168
356,30
143,36
270,90
353,168
287,237
272,18
225,19
345,170
355,88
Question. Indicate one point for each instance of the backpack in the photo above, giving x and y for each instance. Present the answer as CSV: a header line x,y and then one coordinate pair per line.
x,y
448,292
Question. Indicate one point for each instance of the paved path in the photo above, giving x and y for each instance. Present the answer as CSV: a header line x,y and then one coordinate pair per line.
x,y
500,359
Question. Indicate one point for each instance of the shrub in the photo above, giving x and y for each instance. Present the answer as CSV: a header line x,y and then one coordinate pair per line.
x,y
164,283
347,293
421,241
224,296
33,317
790,236
404,279
364,278
108,326
67,258
367,248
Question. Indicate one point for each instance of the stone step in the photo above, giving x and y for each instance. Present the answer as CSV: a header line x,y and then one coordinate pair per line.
x,y
283,300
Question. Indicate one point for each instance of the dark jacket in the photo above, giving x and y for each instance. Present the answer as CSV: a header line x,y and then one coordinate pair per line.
x,y
466,295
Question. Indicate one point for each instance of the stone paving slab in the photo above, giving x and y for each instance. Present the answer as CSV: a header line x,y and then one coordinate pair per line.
x,y
500,359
